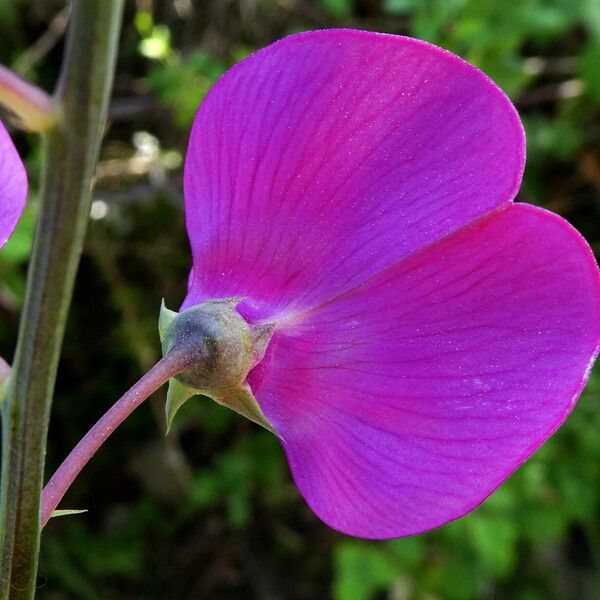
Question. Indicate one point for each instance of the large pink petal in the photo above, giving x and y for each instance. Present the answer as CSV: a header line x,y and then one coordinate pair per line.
x,y
330,155
13,186
406,401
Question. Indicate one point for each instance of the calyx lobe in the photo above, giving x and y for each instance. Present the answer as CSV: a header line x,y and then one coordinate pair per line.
x,y
223,348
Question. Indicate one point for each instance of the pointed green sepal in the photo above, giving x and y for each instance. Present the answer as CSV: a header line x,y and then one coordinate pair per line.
x,y
242,401
177,395
65,512
165,318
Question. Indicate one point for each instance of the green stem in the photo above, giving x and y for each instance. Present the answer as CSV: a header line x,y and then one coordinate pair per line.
x,y
71,154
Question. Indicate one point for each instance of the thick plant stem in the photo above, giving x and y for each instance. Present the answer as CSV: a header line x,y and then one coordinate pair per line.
x,y
71,153
172,363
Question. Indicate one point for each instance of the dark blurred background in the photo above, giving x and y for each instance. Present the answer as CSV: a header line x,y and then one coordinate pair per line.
x,y
210,511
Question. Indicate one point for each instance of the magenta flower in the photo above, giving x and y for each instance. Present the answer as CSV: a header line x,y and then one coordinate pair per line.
x,y
13,186
13,193
356,190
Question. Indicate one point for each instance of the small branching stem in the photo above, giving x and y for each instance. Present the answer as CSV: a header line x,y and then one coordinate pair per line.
x,y
35,108
172,363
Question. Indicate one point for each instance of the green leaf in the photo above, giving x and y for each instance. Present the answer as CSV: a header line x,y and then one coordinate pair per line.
x,y
400,6
494,537
339,8
591,17
590,70
362,570
181,83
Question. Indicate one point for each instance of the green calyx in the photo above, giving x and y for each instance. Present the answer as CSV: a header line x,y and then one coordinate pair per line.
x,y
222,348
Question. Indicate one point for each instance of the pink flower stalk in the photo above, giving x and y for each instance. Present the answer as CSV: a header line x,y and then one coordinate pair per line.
x,y
13,186
356,189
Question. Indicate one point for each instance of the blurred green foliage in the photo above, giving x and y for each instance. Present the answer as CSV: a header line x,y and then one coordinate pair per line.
x,y
210,511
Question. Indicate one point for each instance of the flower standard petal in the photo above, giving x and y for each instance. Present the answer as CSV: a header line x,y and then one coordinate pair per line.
x,y
330,155
356,190
13,186
406,401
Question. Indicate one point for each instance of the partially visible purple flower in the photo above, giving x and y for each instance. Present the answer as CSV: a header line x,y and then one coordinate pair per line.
x,y
13,186
356,190
13,193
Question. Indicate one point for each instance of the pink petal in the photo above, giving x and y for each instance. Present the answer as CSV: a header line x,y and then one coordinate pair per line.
x,y
13,186
406,401
330,155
